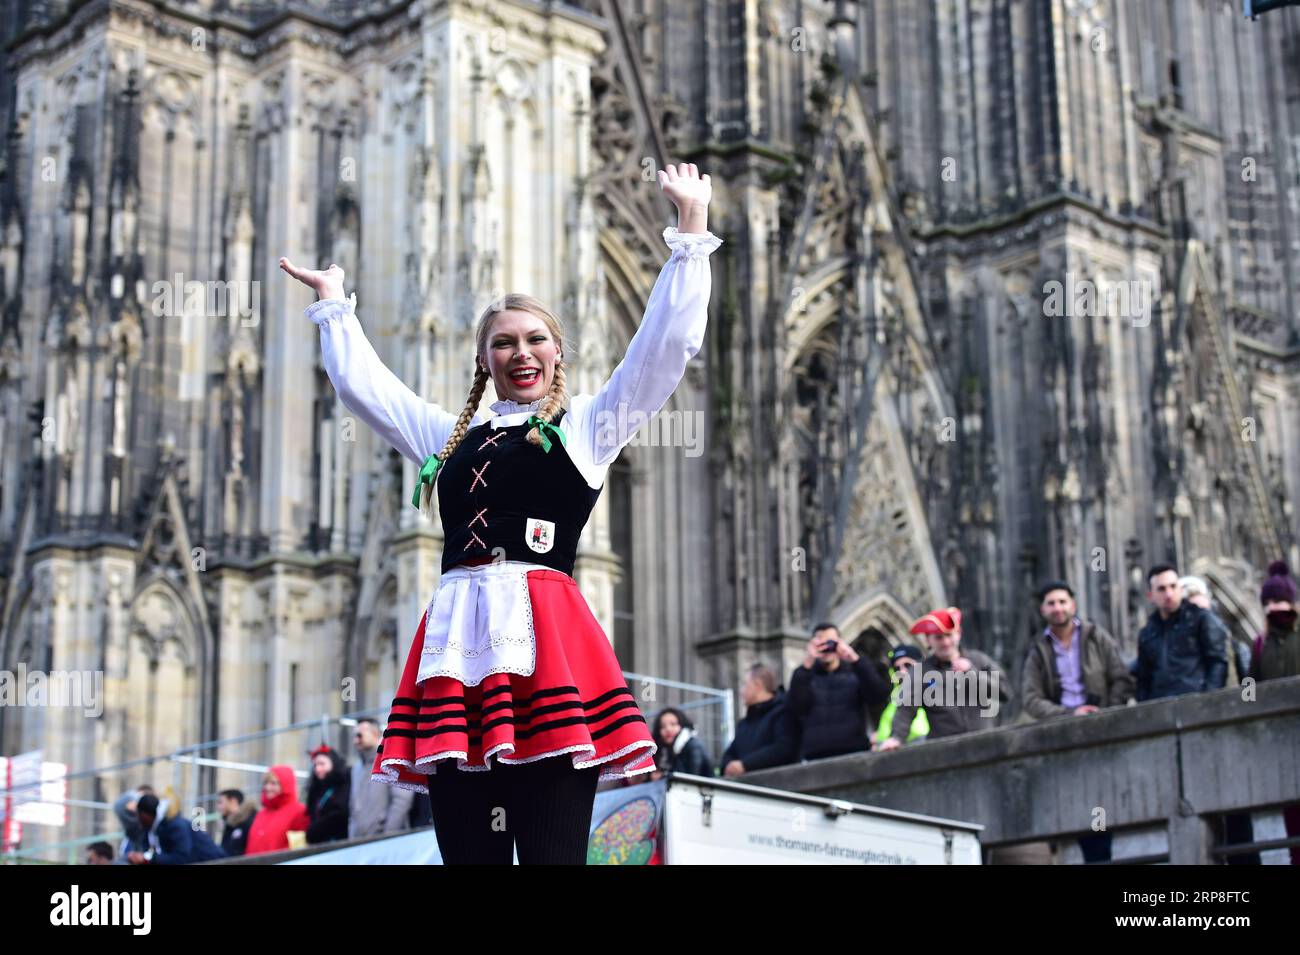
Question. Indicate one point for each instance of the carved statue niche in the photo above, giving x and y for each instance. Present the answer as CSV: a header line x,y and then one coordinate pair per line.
x,y
123,233
11,254
819,427
117,442
345,227
69,414
235,448
78,230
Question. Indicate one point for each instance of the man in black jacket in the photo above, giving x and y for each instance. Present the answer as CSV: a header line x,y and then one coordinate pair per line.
x,y
237,816
767,736
1182,649
173,840
829,695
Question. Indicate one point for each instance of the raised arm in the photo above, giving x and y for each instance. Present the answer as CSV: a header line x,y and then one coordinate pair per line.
x,y
671,331
365,385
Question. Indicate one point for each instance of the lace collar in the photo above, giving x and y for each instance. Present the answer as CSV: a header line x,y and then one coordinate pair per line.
x,y
507,407
509,413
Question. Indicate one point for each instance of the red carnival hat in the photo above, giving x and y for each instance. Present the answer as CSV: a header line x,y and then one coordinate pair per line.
x,y
938,622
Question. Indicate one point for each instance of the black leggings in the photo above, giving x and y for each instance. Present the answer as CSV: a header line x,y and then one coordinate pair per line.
x,y
542,809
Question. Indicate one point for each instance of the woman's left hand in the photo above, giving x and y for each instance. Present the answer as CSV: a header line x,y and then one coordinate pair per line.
x,y
685,187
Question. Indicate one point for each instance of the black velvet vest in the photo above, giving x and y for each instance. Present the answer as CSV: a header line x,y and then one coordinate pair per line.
x,y
500,496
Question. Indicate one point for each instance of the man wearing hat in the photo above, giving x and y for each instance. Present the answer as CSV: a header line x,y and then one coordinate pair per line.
x,y
1277,649
1277,655
955,687
901,658
1073,667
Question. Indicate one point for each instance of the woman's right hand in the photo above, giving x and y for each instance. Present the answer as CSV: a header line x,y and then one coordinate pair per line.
x,y
327,283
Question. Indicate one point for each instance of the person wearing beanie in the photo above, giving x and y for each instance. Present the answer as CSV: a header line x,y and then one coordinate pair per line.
x,y
1197,591
1277,649
1277,655
949,684
901,658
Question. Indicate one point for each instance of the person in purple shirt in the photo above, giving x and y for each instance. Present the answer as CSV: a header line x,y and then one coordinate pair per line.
x,y
1074,667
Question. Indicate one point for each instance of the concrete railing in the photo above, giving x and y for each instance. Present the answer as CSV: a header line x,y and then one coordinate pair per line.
x,y
1171,763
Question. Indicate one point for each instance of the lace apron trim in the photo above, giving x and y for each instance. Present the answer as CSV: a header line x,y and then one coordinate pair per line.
x,y
480,622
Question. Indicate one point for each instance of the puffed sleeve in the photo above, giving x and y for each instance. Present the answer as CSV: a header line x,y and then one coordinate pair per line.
x,y
671,334
367,388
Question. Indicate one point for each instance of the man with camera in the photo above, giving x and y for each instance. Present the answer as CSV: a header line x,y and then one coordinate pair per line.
x,y
829,695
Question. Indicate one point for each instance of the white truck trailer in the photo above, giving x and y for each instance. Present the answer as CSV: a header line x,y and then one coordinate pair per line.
x,y
723,822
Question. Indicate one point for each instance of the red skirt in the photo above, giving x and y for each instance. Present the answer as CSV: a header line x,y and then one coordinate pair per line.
x,y
575,703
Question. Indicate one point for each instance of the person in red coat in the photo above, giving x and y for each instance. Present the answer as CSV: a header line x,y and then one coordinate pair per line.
x,y
281,812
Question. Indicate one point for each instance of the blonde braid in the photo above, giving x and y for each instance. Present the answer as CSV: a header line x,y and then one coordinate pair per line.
x,y
471,406
551,404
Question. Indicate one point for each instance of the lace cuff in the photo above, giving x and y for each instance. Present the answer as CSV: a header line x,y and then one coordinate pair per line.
x,y
327,308
696,245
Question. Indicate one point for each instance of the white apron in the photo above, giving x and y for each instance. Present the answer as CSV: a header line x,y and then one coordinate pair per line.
x,y
480,622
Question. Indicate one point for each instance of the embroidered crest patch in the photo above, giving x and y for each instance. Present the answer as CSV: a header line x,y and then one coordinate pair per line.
x,y
539,535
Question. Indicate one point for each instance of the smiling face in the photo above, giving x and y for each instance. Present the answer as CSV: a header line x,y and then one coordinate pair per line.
x,y
520,353
669,728
1057,608
944,645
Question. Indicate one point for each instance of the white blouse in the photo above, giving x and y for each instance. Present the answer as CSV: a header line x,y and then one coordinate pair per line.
x,y
479,620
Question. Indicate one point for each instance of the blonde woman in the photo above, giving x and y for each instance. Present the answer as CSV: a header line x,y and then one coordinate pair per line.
x,y
512,705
